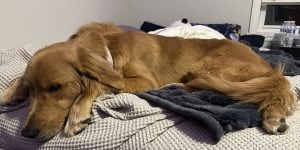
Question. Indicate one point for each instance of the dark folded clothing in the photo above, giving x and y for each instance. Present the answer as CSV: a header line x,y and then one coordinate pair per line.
x,y
218,112
148,26
275,57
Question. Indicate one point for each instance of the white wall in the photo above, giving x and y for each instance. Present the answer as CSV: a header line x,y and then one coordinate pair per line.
x,y
164,12
42,22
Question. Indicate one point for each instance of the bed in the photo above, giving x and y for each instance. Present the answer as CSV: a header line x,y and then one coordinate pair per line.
x,y
128,121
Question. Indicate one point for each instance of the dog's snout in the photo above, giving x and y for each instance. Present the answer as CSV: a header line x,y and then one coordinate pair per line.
x,y
30,132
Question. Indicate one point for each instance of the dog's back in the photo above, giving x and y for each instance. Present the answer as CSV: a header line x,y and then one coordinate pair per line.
x,y
170,59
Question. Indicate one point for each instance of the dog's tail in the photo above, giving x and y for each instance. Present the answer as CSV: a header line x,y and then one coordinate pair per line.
x,y
268,90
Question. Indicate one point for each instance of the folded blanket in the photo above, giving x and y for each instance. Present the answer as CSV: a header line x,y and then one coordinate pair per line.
x,y
218,112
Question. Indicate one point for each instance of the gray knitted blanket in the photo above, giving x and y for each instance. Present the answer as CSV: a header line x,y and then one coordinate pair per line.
x,y
125,121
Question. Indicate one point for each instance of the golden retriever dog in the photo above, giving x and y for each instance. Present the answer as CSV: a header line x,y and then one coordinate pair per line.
x,y
62,80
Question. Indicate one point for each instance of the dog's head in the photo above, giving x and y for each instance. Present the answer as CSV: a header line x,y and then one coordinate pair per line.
x,y
59,74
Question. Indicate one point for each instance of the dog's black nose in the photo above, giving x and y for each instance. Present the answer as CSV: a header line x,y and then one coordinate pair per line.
x,y
30,132
282,128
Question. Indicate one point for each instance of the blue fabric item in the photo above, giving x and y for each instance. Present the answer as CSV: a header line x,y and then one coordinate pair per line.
x,y
253,39
148,26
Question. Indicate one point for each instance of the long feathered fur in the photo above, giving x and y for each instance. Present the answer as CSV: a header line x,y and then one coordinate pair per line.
x,y
270,90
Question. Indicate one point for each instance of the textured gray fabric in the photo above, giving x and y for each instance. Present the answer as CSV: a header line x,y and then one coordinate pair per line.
x,y
125,121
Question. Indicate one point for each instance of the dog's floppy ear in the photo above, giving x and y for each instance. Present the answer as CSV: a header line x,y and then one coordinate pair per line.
x,y
91,60
94,66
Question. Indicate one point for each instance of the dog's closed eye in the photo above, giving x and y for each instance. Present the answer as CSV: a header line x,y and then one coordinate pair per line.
x,y
54,88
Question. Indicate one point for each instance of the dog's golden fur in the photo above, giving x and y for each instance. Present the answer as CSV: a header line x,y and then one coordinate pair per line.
x,y
63,79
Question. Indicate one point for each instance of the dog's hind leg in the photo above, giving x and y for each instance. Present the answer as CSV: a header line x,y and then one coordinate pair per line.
x,y
272,93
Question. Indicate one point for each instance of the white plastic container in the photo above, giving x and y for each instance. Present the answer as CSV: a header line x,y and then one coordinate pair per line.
x,y
297,38
290,33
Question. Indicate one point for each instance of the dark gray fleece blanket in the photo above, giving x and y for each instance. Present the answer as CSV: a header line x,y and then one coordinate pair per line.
x,y
218,112
274,57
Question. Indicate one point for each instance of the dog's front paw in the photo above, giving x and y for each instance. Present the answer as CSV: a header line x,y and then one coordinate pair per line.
x,y
274,121
77,121
4,98
16,93
11,99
